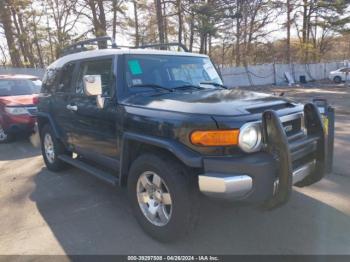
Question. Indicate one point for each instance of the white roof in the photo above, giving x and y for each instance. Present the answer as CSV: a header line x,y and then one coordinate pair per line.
x,y
105,52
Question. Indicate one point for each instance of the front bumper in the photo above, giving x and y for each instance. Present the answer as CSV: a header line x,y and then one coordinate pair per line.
x,y
18,124
267,177
257,186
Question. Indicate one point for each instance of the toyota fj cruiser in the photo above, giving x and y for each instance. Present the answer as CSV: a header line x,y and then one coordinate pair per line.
x,y
162,124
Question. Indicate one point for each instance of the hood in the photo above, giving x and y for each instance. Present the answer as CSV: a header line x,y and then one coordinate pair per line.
x,y
24,100
232,102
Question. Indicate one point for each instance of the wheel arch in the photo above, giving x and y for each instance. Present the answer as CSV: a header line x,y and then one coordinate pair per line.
x,y
134,145
44,119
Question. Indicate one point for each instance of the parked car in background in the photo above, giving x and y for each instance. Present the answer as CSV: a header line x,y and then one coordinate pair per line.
x,y
340,75
36,80
18,99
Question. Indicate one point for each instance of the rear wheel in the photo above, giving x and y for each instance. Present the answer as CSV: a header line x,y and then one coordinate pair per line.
x,y
4,136
337,79
51,148
163,197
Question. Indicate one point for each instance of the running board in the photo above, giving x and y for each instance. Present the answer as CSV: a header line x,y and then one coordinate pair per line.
x,y
102,175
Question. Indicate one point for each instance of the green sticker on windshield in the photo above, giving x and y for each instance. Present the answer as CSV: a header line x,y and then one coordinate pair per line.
x,y
135,67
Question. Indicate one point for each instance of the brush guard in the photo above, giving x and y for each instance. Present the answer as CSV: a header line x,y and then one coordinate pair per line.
x,y
283,151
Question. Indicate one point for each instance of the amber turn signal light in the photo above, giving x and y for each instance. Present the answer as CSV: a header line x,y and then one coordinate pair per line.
x,y
215,137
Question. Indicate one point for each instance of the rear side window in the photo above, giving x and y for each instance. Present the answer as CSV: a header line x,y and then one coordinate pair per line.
x,y
101,67
65,82
49,81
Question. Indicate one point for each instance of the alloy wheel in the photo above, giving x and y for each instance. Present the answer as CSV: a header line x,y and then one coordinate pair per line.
x,y
154,198
49,148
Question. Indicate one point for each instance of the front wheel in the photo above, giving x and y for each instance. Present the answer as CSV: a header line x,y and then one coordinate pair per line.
x,y
337,79
163,197
4,136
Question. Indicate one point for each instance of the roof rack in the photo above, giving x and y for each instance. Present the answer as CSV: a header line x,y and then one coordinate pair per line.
x,y
81,45
101,42
182,46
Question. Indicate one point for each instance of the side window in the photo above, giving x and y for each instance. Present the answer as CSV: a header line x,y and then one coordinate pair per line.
x,y
49,81
65,81
99,67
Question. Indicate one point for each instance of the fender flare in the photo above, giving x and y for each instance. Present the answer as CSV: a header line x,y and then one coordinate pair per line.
x,y
180,151
48,117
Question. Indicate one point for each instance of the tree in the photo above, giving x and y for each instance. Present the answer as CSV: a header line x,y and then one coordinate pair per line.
x,y
5,18
36,18
98,19
231,32
180,19
62,23
289,10
207,17
136,17
17,8
3,56
160,20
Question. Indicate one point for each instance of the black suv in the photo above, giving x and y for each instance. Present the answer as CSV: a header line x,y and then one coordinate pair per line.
x,y
163,125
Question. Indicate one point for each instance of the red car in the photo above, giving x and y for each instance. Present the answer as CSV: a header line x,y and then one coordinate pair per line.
x,y
18,99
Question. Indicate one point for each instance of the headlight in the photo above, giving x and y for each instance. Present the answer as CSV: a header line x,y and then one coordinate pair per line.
x,y
250,137
16,110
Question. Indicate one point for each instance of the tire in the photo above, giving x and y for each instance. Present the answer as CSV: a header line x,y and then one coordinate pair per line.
x,y
52,149
337,79
4,136
180,217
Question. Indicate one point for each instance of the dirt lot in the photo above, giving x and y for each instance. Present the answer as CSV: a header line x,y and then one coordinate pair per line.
x,y
338,95
72,213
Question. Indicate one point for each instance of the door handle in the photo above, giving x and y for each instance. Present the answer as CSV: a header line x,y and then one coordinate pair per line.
x,y
72,108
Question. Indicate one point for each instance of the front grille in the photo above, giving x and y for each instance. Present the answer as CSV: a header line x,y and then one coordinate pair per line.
x,y
302,147
292,127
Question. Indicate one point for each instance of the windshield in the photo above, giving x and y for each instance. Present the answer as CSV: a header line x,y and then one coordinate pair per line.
x,y
17,87
170,71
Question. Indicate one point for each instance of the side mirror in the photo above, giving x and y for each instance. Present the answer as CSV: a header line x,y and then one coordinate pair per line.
x,y
92,85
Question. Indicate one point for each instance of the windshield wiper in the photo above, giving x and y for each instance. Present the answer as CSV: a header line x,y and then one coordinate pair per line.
x,y
214,84
187,87
154,86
